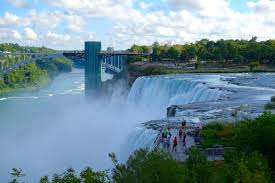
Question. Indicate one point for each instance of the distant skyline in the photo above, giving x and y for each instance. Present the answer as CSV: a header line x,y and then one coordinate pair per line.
x,y
66,24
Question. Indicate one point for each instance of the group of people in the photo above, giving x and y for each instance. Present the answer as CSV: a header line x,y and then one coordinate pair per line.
x,y
166,137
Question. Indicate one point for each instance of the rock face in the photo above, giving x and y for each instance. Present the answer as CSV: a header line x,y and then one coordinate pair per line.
x,y
171,111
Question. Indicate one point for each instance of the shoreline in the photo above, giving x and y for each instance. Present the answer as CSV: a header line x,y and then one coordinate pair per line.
x,y
136,70
45,81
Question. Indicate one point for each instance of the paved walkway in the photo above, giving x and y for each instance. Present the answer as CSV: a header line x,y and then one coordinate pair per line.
x,y
180,153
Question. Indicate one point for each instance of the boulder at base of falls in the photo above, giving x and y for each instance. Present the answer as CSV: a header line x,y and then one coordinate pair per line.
x,y
171,111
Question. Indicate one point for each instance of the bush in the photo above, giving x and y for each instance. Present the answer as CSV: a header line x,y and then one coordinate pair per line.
x,y
253,65
146,167
217,133
197,64
154,70
272,99
270,106
257,135
250,168
198,168
70,176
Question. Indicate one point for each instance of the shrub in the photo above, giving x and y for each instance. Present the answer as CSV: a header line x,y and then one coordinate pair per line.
x,y
70,176
146,167
240,167
196,65
272,99
253,65
270,105
198,168
154,70
257,135
217,133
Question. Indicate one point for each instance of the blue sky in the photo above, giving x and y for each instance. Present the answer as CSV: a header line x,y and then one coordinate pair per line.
x,y
66,24
239,5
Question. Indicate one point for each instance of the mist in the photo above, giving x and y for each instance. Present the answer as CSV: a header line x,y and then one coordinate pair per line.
x,y
51,130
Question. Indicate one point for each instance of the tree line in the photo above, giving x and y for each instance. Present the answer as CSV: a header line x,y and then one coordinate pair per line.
x,y
220,51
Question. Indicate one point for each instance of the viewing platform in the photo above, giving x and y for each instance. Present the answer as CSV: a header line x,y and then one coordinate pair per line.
x,y
192,140
181,153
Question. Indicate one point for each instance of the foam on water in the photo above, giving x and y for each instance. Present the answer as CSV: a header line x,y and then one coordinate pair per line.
x,y
157,93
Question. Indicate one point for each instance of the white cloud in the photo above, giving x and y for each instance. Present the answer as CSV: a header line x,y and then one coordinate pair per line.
x,y
8,35
201,6
18,3
9,19
30,34
262,5
116,9
145,5
45,20
58,37
125,22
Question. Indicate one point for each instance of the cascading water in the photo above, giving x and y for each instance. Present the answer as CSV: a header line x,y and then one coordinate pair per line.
x,y
155,94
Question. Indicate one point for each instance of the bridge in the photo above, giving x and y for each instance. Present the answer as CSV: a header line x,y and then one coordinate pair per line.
x,y
10,61
93,57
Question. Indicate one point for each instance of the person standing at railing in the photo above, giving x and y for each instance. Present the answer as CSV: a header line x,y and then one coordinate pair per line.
x,y
180,133
184,141
175,144
168,138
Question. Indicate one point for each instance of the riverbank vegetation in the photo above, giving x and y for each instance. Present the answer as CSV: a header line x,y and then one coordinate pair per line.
x,y
222,56
32,75
252,161
270,105
247,136
221,51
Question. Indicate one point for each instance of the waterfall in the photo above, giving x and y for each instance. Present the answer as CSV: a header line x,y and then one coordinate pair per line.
x,y
158,93
140,137
154,94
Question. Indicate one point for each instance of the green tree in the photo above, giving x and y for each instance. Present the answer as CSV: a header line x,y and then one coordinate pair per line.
x,y
174,52
197,64
246,168
198,168
258,135
17,175
147,167
253,65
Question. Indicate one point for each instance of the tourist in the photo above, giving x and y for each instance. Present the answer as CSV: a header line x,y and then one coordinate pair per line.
x,y
166,132
168,141
175,143
180,133
163,137
184,141
183,124
169,132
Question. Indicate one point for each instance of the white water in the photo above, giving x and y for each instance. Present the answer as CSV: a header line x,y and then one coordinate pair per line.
x,y
158,93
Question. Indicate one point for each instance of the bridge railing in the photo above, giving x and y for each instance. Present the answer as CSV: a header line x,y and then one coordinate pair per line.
x,y
10,61
112,67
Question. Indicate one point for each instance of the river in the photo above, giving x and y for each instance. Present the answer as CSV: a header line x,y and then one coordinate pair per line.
x,y
48,130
